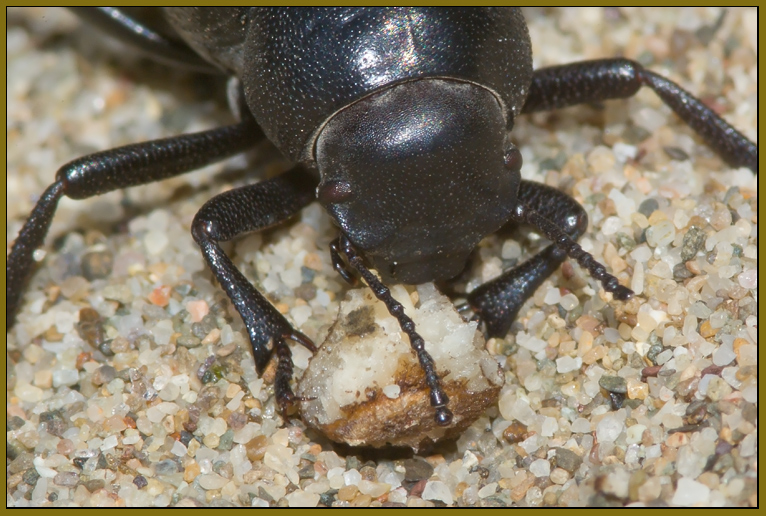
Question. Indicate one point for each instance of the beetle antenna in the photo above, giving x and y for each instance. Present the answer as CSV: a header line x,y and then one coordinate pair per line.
x,y
573,250
439,398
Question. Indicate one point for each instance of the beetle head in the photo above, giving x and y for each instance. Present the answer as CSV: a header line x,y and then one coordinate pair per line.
x,y
416,175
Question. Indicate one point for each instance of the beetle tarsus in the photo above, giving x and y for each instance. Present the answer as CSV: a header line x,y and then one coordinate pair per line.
x,y
285,397
20,263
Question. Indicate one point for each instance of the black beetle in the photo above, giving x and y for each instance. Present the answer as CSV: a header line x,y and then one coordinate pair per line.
x,y
398,118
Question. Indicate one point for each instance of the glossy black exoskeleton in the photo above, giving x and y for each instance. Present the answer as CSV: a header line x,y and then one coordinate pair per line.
x,y
397,119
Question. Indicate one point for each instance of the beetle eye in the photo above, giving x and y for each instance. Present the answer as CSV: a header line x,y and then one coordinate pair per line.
x,y
333,192
512,159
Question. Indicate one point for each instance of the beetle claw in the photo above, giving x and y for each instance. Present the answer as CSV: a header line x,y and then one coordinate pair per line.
x,y
287,400
340,266
468,312
301,339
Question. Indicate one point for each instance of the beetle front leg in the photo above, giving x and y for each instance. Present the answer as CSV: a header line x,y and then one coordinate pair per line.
x,y
246,209
111,170
604,79
562,220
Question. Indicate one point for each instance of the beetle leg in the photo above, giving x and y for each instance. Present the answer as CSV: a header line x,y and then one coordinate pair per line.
x,y
129,26
562,220
242,210
114,169
592,81
439,398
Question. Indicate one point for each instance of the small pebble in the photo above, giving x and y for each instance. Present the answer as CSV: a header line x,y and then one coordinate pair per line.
x,y
94,484
676,153
569,301
212,481
748,279
103,374
690,492
417,469
97,265
198,309
392,391
637,390
567,460
166,467
661,234
90,327
515,432
609,429
300,498
613,384
66,377
568,364
32,475
615,483
156,241
160,296
647,207
693,241
65,447
559,476
347,493
540,468
437,490
66,479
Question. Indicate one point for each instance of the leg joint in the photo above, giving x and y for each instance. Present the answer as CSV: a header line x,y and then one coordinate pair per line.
x,y
204,230
576,223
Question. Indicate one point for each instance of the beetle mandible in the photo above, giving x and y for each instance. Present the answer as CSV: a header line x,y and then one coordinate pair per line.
x,y
398,120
